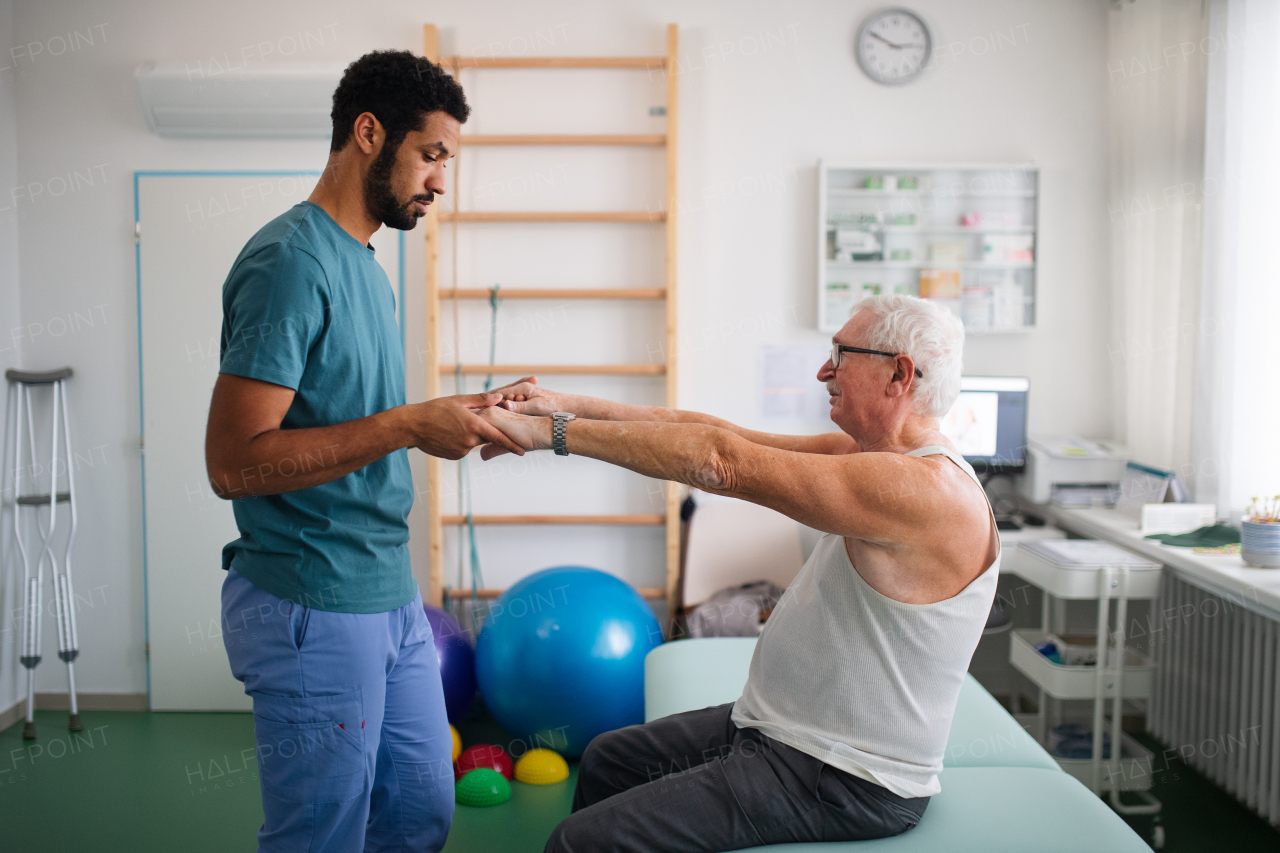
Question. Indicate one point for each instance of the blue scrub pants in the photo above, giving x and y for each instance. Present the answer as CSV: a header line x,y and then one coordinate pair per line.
x,y
354,750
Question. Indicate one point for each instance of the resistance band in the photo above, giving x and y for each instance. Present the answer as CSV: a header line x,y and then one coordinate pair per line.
x,y
464,472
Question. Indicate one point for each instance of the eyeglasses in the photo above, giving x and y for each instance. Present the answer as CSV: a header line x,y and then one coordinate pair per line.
x,y
837,349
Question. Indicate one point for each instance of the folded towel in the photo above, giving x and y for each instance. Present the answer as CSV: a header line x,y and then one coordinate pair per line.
x,y
1213,536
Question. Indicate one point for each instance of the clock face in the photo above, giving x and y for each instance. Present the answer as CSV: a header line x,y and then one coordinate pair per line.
x,y
893,46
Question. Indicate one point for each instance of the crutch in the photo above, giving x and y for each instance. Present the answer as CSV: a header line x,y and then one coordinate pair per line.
x,y
21,382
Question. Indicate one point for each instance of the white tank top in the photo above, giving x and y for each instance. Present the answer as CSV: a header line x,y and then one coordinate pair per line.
x,y
863,682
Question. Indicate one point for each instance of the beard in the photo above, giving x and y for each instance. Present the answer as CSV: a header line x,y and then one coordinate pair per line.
x,y
380,199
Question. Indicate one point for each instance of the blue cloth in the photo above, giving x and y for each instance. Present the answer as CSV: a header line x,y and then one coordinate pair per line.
x,y
354,750
307,307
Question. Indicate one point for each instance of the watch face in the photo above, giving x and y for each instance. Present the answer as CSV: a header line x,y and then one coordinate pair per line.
x,y
893,46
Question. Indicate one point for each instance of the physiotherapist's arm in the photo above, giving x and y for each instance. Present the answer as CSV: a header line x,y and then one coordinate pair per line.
x,y
247,454
528,398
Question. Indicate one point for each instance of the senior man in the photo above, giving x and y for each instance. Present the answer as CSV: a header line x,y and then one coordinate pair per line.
x,y
840,731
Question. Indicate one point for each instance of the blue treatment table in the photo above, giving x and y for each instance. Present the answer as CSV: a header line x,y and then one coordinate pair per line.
x,y
1000,790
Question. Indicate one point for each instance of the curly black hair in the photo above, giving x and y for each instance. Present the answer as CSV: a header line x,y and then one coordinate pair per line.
x,y
399,88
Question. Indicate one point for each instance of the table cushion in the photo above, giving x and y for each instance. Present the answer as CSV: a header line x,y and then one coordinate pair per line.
x,y
685,675
984,734
1002,810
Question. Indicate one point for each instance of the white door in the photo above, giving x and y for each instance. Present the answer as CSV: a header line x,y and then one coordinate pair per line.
x,y
192,227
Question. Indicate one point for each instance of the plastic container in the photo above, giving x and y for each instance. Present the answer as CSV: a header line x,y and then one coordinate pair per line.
x,y
1260,544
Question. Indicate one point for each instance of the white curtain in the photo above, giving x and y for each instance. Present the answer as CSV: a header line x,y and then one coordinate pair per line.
x,y
1237,423
1156,83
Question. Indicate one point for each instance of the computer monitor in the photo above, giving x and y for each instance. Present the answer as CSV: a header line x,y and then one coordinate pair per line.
x,y
988,423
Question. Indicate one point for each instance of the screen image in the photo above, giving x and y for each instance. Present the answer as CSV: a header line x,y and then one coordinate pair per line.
x,y
971,423
988,422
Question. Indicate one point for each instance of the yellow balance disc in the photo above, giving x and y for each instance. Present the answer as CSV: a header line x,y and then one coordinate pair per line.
x,y
541,767
457,743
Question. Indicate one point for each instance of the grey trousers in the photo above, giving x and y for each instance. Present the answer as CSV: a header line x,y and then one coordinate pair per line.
x,y
696,782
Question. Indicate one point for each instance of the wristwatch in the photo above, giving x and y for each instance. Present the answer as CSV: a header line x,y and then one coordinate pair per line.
x,y
559,425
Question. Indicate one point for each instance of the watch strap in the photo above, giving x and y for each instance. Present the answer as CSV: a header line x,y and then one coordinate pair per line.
x,y
559,429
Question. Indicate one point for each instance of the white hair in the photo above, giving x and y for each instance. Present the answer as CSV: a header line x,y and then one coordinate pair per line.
x,y
928,332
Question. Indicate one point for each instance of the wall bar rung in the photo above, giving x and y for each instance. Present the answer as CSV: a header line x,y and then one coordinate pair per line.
x,y
554,216
638,520
633,139
557,61
556,369
557,293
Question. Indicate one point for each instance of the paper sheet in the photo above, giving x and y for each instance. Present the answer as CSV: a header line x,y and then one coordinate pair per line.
x,y
1141,486
789,388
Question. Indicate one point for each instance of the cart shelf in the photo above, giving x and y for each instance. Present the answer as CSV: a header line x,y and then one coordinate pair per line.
x,y
1132,774
1077,682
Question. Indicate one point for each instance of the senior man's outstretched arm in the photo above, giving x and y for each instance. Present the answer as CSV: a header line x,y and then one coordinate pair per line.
x,y
878,497
527,397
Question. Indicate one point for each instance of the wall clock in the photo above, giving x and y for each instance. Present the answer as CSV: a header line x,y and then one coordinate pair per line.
x,y
893,46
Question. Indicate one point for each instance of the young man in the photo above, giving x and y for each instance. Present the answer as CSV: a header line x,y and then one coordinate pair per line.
x,y
308,433
840,731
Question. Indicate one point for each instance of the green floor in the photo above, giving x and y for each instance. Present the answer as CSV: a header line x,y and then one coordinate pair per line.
x,y
1198,816
139,782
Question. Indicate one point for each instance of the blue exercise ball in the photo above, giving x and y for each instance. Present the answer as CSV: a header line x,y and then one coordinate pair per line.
x,y
560,658
457,662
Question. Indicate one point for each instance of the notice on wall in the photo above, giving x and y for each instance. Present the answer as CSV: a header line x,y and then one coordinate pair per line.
x,y
789,387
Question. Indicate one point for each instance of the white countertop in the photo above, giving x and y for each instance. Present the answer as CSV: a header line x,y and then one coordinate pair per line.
x,y
1224,575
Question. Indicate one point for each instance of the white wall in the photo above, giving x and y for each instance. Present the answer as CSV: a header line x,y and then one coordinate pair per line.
x,y
771,111
10,672
8,178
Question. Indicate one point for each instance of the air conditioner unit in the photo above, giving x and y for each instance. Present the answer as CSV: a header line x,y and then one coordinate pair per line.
x,y
264,100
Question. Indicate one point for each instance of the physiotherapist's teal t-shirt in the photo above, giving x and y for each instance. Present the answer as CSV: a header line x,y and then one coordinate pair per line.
x,y
307,306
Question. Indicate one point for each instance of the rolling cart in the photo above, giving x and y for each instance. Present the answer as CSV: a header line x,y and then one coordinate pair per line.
x,y
1077,569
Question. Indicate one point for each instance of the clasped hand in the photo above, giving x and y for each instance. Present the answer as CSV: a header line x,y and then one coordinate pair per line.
x,y
523,416
451,427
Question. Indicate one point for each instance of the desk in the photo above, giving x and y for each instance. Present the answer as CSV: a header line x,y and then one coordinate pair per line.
x,y
1224,575
1216,637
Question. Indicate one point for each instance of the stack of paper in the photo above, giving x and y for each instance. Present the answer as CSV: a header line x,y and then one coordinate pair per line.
x,y
1083,552
1146,484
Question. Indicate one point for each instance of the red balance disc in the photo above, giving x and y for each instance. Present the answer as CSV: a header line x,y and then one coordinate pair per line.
x,y
483,755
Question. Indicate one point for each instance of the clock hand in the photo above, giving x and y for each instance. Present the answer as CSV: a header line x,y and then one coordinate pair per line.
x,y
876,35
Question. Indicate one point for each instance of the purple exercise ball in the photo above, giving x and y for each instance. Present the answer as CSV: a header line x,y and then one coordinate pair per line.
x,y
457,662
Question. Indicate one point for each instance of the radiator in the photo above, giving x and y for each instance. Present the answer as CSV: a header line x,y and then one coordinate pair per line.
x,y
1216,703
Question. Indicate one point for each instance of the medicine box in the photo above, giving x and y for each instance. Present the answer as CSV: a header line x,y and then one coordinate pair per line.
x,y
939,283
